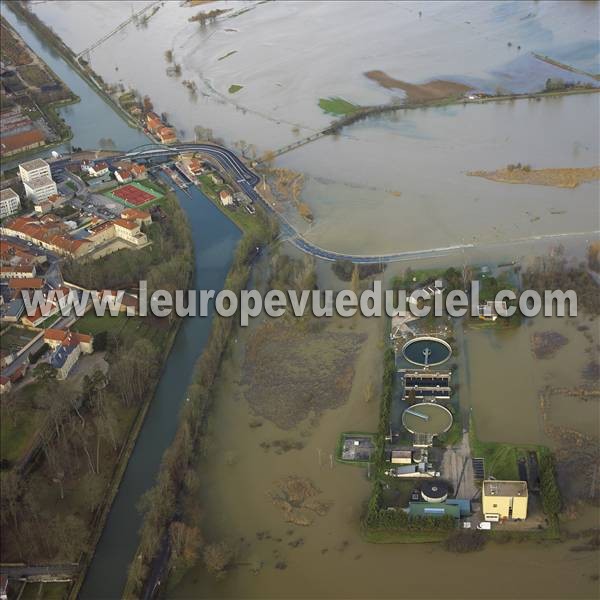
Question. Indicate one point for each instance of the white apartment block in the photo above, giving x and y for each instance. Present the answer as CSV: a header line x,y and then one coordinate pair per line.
x,y
40,189
32,169
10,202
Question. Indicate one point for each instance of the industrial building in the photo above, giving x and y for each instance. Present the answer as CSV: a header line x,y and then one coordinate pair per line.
x,y
427,385
504,500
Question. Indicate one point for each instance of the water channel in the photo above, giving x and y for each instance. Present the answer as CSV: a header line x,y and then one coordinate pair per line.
x,y
215,238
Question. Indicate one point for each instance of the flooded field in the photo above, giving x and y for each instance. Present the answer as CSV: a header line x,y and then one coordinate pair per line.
x,y
393,184
399,182
242,468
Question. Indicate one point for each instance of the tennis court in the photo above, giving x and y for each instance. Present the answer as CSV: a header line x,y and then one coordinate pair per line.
x,y
133,194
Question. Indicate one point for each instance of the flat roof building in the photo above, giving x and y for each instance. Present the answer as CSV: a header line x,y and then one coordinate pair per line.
x,y
33,168
10,202
425,509
504,500
401,457
39,189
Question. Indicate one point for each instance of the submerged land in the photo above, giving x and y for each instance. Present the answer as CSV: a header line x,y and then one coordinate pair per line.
x,y
253,490
559,177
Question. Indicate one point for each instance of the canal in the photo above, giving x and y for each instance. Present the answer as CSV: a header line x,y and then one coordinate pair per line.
x,y
215,238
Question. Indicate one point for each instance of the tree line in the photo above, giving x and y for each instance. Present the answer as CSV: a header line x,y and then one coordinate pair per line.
x,y
171,514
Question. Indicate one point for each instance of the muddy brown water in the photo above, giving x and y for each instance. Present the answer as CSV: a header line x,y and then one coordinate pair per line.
x,y
333,560
423,155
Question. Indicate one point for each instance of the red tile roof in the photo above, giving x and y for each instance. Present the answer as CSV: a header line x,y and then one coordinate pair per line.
x,y
26,283
67,337
126,224
11,143
135,213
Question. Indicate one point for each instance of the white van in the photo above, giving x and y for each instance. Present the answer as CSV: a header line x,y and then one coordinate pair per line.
x,y
484,525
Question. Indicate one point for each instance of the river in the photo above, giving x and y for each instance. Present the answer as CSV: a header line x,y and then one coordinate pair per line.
x,y
215,238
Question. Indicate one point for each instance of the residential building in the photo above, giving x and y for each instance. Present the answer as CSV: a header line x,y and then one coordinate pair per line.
x,y
10,202
141,217
128,302
5,384
48,232
226,197
153,122
97,169
196,166
138,171
25,283
40,188
11,312
504,500
488,311
123,175
52,203
101,231
216,179
68,347
39,316
55,337
130,232
32,169
6,358
166,135
16,272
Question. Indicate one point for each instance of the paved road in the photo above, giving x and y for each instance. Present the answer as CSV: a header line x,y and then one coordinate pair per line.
x,y
247,181
39,572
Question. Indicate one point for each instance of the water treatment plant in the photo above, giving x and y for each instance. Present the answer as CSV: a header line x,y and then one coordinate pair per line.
x,y
426,351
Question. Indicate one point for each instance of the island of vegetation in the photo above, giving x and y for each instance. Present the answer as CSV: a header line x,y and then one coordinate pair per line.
x,y
568,177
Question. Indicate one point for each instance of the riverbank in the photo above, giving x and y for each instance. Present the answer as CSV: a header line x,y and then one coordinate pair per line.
x,y
136,427
42,93
160,548
79,509
48,36
119,472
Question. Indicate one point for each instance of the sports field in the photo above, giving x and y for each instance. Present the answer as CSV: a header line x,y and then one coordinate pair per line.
x,y
134,194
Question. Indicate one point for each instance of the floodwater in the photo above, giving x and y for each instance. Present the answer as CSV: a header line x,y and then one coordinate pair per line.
x,y
504,380
353,185
332,560
399,182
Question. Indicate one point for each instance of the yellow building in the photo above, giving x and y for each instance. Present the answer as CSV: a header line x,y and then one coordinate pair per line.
x,y
504,500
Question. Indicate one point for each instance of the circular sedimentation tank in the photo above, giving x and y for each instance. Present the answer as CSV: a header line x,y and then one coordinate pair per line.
x,y
427,417
434,491
426,351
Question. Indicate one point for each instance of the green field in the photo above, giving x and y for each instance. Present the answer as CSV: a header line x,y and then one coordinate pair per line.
x,y
128,328
337,106
239,215
235,88
19,422
501,460
14,338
